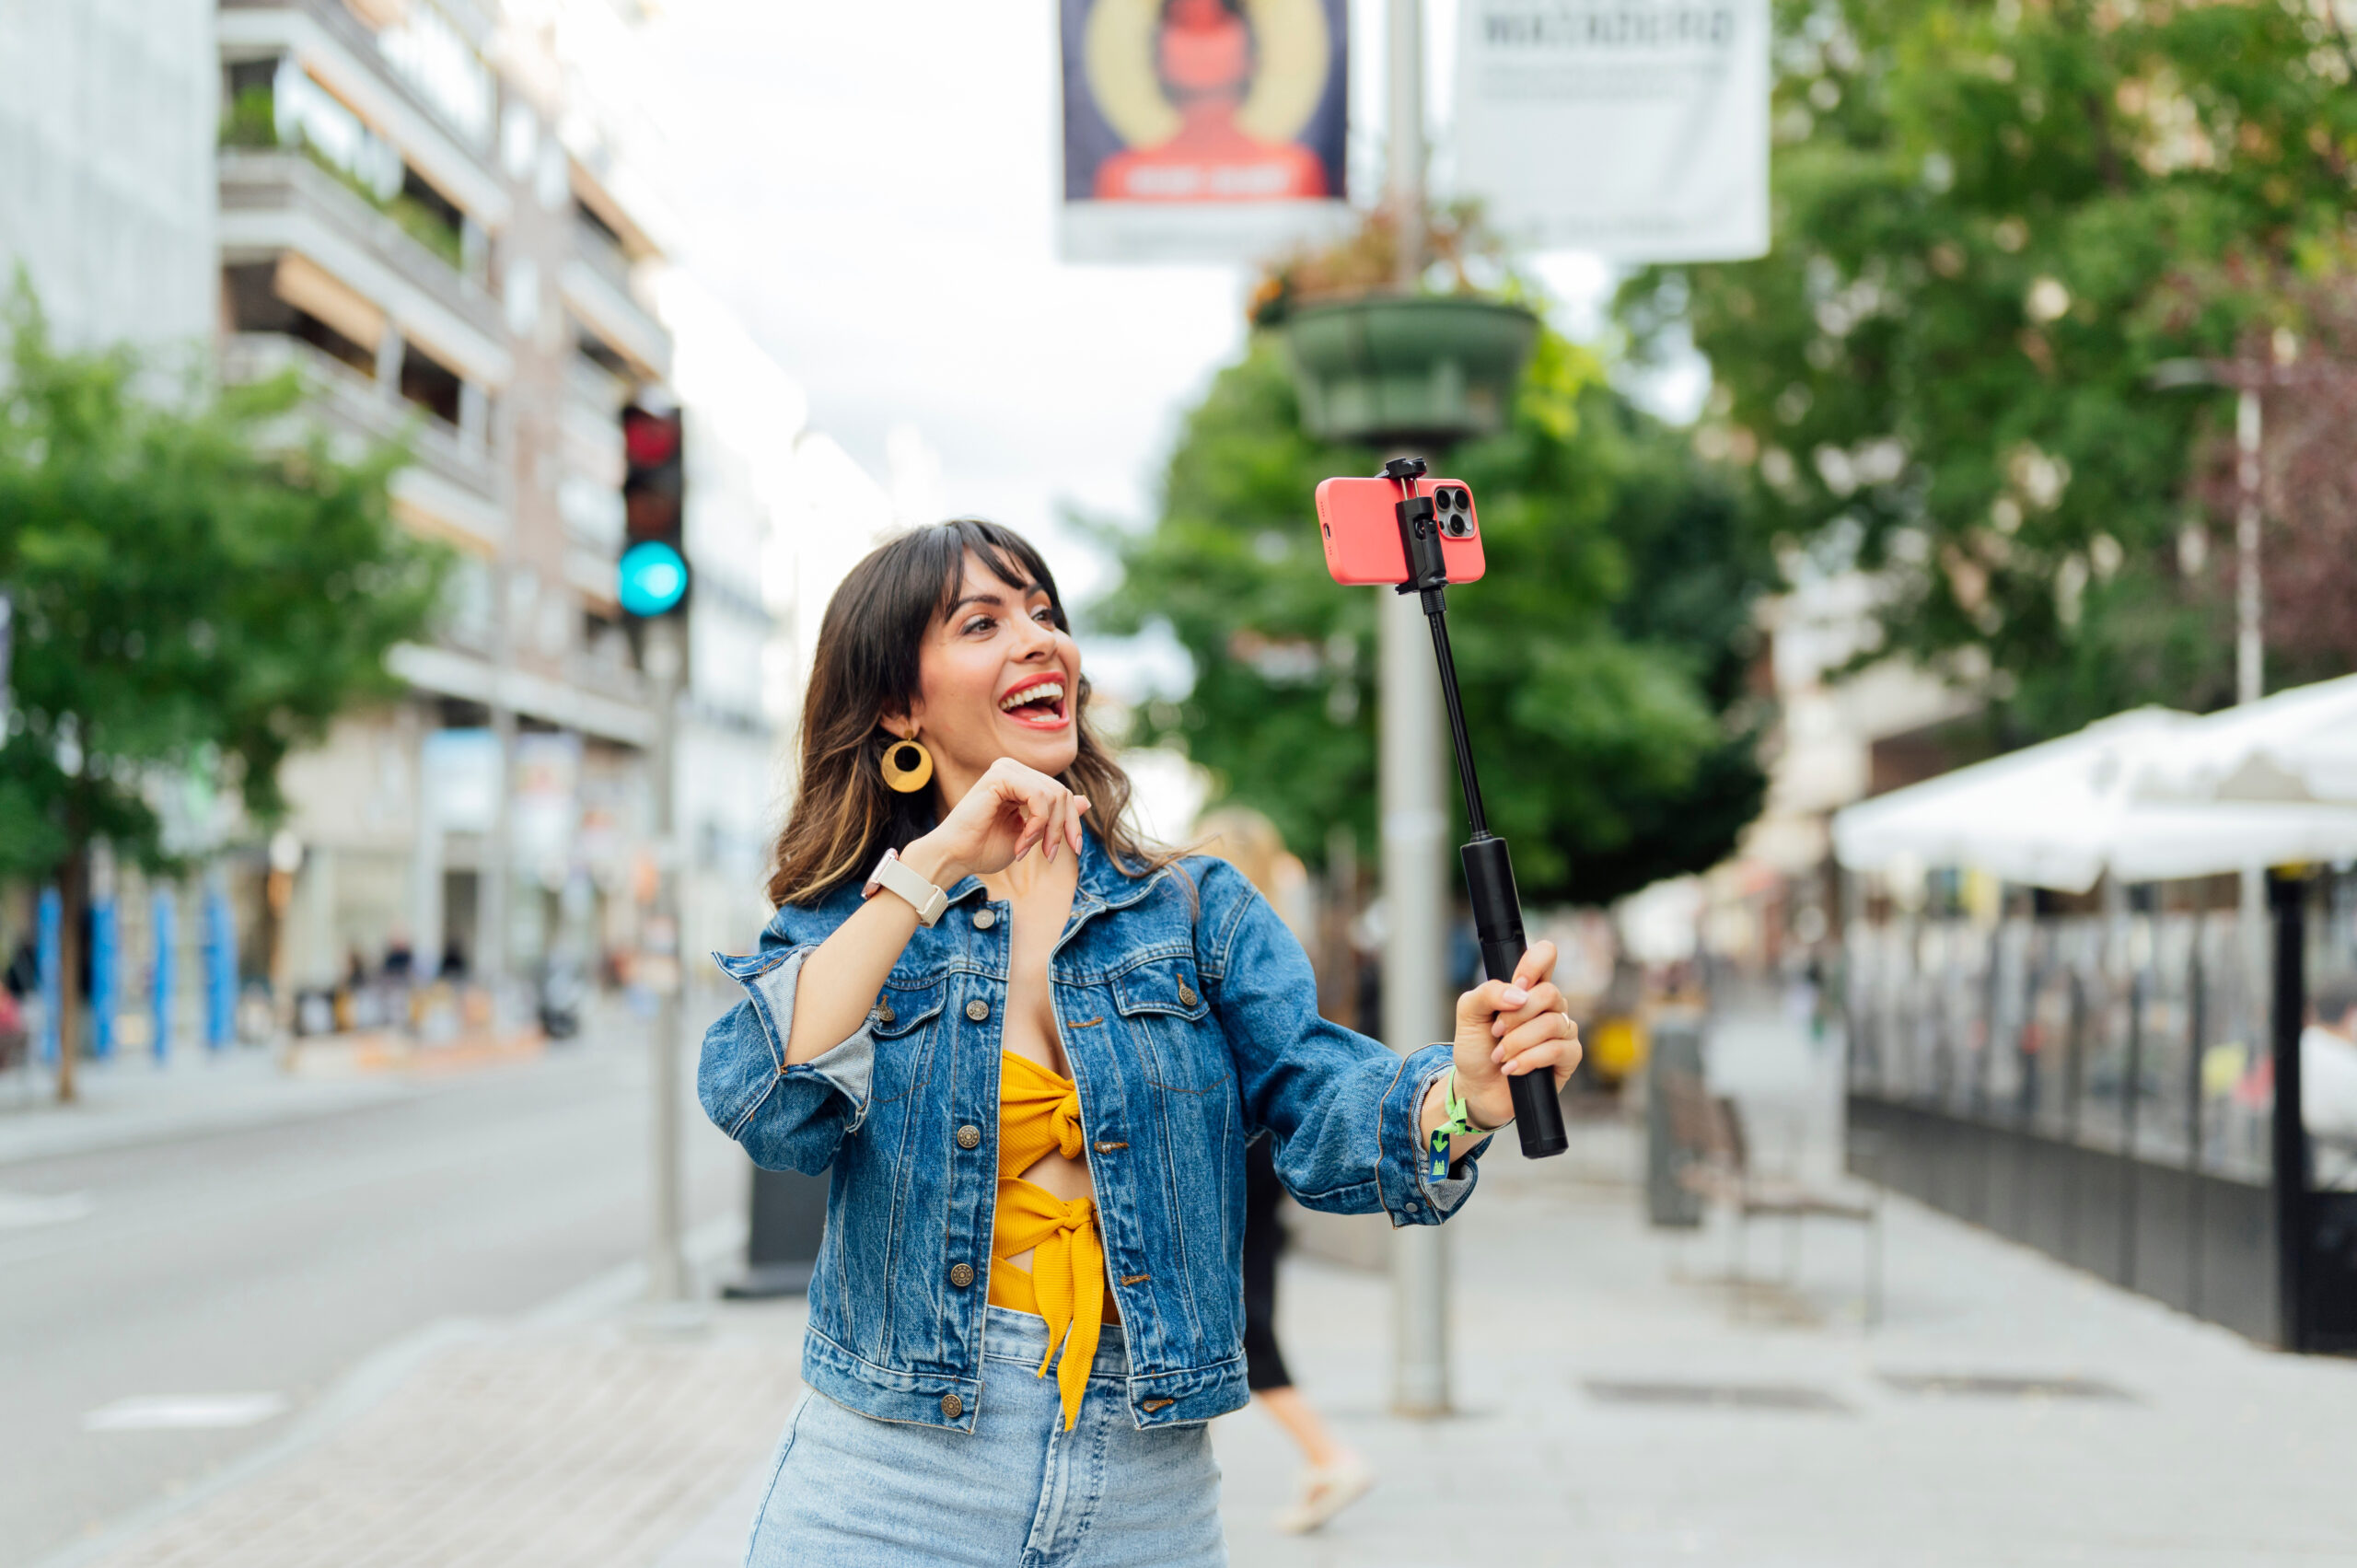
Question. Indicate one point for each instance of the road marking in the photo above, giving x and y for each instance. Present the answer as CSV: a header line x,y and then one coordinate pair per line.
x,y
184,1413
23,1210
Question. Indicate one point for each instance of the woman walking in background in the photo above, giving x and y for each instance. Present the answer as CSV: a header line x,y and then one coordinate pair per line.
x,y
1333,1477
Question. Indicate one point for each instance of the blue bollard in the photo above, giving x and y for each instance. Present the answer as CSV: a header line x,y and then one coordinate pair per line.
x,y
160,990
52,989
220,970
106,972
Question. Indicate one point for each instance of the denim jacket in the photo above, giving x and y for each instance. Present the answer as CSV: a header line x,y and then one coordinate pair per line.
x,y
1188,1017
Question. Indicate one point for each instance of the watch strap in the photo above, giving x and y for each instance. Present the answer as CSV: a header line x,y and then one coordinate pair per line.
x,y
893,875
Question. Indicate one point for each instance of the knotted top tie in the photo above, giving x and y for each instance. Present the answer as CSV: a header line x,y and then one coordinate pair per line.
x,y
1039,1111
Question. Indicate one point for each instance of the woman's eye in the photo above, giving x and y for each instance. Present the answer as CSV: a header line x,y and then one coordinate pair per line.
x,y
978,623
1044,617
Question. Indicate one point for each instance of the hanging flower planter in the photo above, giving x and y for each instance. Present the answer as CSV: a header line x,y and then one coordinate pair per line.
x,y
1403,369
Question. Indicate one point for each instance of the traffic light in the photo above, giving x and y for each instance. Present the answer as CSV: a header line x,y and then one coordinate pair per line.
x,y
653,575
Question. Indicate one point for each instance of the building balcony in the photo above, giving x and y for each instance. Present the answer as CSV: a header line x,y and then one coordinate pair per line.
x,y
598,294
277,202
451,485
450,147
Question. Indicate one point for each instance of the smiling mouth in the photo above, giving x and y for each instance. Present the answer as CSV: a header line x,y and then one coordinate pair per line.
x,y
1037,707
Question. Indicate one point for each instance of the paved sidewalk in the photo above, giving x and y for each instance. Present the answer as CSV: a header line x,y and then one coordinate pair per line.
x,y
1622,1403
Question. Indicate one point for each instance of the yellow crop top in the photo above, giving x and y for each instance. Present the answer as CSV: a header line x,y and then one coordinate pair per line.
x,y
1039,1112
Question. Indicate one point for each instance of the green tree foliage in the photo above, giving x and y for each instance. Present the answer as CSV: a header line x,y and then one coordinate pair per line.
x,y
1601,658
1992,224
191,599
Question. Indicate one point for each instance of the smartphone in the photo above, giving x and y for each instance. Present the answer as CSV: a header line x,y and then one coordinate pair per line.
x,y
1361,531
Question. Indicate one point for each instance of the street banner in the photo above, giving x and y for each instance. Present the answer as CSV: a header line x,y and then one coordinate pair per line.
x,y
1637,129
1201,130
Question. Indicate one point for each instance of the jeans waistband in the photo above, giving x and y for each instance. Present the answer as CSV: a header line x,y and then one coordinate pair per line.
x,y
1009,1335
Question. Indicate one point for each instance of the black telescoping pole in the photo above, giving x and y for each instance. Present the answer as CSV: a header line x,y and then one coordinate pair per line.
x,y
1489,869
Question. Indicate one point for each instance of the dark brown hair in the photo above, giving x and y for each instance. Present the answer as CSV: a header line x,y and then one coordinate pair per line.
x,y
843,817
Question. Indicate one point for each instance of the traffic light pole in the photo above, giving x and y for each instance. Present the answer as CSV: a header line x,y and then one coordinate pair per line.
x,y
667,1266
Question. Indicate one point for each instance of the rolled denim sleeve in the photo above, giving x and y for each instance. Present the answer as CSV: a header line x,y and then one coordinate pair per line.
x,y
1342,1109
789,1118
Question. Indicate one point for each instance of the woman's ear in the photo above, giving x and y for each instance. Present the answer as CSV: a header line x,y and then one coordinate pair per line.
x,y
902,724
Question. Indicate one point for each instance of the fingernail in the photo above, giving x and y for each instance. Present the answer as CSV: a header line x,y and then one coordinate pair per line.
x,y
1513,997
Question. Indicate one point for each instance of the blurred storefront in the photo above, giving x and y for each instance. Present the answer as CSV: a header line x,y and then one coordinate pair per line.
x,y
2065,1025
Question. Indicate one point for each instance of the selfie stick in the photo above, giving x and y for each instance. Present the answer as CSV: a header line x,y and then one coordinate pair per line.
x,y
1489,871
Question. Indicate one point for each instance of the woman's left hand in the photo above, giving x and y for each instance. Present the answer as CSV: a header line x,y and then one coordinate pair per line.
x,y
1507,1028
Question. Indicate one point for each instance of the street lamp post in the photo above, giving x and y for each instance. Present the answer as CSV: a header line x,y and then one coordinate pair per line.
x,y
1414,820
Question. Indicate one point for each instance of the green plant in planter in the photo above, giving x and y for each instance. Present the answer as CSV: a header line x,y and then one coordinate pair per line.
x,y
1424,367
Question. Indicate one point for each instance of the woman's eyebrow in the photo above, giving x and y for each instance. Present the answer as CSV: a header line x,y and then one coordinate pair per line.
x,y
994,599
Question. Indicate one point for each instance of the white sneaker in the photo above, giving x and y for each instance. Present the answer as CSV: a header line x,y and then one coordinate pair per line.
x,y
1326,1491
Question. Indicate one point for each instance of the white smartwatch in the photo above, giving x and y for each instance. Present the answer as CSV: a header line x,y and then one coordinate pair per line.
x,y
893,874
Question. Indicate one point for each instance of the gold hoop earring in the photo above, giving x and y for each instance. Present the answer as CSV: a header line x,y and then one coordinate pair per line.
x,y
908,766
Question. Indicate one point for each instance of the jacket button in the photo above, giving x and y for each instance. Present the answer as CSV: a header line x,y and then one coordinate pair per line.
x,y
969,1137
1186,996
961,1274
952,1406
985,919
977,1009
883,1012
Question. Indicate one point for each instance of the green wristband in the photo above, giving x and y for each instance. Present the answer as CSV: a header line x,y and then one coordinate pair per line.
x,y
1458,1119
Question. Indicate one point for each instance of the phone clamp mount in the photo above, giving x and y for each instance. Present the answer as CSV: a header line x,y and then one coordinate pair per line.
x,y
1489,869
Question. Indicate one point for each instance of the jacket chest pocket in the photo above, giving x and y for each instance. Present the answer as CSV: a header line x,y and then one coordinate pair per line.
x,y
1162,1010
903,1022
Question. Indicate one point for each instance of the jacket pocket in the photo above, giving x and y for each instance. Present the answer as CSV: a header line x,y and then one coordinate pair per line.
x,y
1162,1005
903,1024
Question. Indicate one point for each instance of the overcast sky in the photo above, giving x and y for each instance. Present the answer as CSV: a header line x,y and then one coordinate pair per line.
x,y
872,188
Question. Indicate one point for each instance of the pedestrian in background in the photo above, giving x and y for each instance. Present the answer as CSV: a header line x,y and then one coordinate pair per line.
x,y
1333,1477
983,1004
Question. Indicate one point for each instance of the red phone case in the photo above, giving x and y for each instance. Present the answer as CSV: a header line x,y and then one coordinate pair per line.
x,y
1360,532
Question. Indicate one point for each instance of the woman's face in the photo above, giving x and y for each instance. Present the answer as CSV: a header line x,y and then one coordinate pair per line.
x,y
996,679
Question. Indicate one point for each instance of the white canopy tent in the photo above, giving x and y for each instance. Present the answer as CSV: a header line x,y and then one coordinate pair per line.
x,y
2149,796
2297,746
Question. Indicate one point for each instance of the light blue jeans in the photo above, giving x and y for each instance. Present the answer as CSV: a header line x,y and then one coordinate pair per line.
x,y
1019,1492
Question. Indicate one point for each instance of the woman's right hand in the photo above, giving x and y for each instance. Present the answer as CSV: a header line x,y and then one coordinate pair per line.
x,y
1010,809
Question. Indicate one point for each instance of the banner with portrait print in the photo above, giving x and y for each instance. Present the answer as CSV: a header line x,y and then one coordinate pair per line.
x,y
1201,130
1636,129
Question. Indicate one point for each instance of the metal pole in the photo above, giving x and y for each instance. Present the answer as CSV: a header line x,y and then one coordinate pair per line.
x,y
667,1268
1405,173
490,956
1415,1000
2249,671
1415,822
2248,651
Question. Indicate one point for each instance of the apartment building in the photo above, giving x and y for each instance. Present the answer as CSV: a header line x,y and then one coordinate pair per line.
x,y
402,219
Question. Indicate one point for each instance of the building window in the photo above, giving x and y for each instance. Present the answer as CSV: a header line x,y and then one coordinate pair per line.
x,y
430,384
256,305
426,50
597,351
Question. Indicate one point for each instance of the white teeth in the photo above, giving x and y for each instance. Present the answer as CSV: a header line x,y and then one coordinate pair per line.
x,y
1031,694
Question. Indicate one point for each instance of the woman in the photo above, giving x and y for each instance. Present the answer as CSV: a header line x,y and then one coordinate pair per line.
x,y
1032,1050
